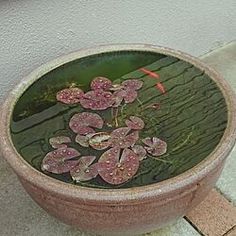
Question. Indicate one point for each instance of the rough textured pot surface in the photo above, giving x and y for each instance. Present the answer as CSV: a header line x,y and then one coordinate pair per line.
x,y
119,211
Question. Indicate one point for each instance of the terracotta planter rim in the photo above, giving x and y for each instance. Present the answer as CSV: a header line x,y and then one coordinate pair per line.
x,y
123,196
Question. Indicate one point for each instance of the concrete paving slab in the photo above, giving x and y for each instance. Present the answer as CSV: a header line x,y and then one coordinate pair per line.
x,y
215,216
20,216
231,232
224,61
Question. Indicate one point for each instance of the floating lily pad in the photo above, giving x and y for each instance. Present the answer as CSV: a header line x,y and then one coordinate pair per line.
x,y
84,171
135,123
82,140
82,122
99,141
155,146
101,83
128,95
58,161
140,152
116,87
126,91
122,139
115,171
97,100
70,95
59,141
84,130
133,84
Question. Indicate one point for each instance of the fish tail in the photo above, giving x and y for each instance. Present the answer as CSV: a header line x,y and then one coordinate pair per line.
x,y
160,87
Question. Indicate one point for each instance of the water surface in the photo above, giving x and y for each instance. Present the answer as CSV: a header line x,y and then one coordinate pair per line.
x,y
192,116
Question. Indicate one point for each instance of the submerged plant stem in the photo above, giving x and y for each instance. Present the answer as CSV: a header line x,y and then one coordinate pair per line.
x,y
162,160
141,173
140,103
116,117
122,111
183,143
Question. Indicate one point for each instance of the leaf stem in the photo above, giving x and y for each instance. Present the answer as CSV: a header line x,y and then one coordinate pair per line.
x,y
141,173
122,110
184,142
162,160
140,103
116,115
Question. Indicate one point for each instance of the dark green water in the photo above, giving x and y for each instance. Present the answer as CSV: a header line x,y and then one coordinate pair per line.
x,y
192,116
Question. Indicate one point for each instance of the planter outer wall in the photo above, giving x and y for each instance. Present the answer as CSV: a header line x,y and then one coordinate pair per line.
x,y
120,211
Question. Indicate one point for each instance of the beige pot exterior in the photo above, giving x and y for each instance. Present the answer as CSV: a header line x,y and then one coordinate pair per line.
x,y
120,211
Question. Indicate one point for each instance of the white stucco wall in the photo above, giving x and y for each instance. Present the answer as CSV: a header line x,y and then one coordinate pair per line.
x,y
33,32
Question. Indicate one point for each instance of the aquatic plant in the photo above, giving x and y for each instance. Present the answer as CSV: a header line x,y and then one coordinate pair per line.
x,y
126,91
70,95
115,169
97,100
84,170
135,123
83,123
59,161
59,141
155,146
123,148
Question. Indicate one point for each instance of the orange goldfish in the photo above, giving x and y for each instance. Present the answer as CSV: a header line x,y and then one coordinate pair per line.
x,y
150,73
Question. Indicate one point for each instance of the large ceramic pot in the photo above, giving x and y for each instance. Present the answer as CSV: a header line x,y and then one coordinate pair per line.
x,y
124,211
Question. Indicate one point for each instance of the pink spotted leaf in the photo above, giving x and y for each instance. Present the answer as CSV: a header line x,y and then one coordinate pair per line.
x,y
59,161
133,84
116,170
70,95
97,100
123,138
126,91
100,140
135,123
82,140
140,152
101,83
155,146
59,141
126,95
83,123
84,170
